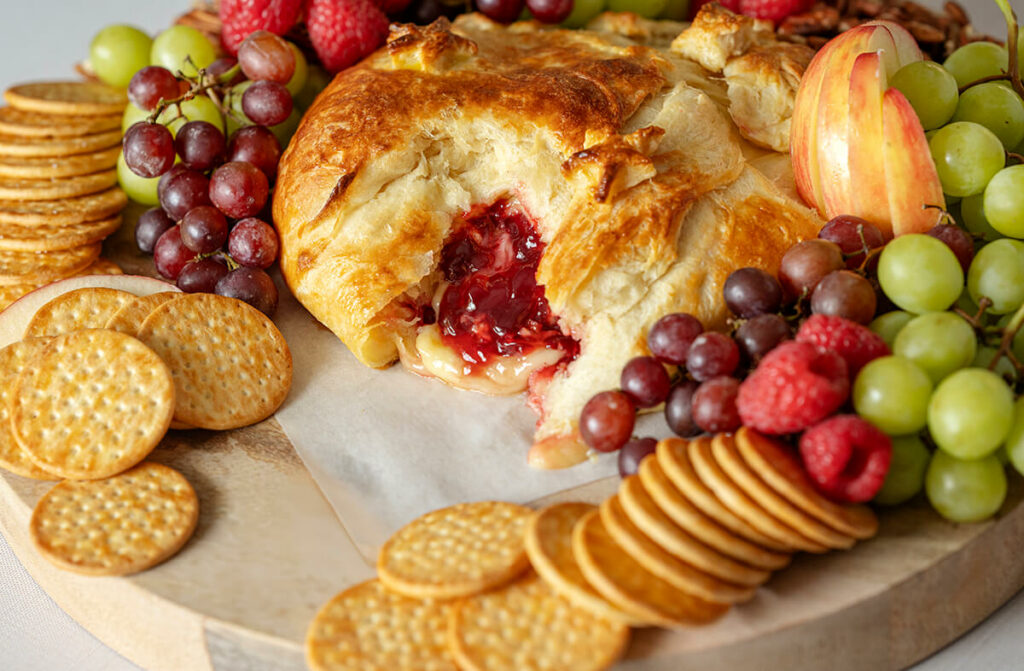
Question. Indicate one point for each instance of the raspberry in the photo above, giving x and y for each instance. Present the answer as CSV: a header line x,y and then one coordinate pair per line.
x,y
773,10
240,18
732,5
795,386
856,344
847,458
344,31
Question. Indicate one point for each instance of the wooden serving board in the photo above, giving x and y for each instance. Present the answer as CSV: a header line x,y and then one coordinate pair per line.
x,y
269,551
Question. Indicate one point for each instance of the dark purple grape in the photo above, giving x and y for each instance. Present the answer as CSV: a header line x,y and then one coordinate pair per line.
x,y
200,145
852,234
633,452
760,335
150,226
805,263
958,240
750,292
267,103
183,190
502,11
150,85
646,381
265,56
671,336
252,286
844,293
256,145
239,189
170,254
712,354
253,243
607,420
148,149
202,275
714,405
550,11
204,229
679,409
425,12
221,66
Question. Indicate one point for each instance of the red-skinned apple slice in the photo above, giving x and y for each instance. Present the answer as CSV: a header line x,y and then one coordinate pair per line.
x,y
803,136
907,49
909,170
869,195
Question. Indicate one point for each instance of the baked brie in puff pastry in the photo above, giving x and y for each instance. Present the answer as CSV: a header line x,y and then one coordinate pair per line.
x,y
511,208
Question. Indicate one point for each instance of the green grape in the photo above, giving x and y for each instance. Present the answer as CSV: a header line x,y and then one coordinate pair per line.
x,y
676,10
975,61
965,491
583,11
938,342
172,47
966,157
284,130
132,115
920,274
1015,441
199,108
995,107
139,189
997,273
970,413
910,457
648,9
1004,201
972,213
966,303
892,393
316,81
301,74
931,91
889,325
118,52
1004,368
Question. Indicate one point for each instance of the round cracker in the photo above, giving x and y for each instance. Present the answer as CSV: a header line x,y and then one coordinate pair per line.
x,y
13,360
101,267
130,317
86,308
47,237
67,98
231,365
527,625
94,404
16,145
41,267
456,551
777,467
681,511
14,121
620,579
549,547
102,205
52,167
13,188
116,526
369,627
12,292
656,525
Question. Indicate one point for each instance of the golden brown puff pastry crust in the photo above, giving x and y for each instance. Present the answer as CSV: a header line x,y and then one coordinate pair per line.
x,y
620,154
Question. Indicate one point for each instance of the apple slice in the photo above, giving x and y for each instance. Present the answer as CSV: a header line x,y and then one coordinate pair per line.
x,y
14,320
907,49
803,137
869,192
910,172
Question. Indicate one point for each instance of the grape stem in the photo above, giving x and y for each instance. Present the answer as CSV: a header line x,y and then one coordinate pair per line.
x,y
975,320
1006,342
1015,157
202,83
1013,73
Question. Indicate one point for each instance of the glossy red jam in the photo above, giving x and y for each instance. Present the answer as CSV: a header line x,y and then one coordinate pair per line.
x,y
493,305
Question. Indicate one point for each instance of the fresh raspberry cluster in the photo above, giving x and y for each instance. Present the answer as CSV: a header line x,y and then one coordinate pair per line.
x,y
772,10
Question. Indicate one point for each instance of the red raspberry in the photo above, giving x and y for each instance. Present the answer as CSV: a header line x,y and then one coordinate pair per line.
x,y
240,18
732,5
847,458
774,10
856,344
795,386
344,31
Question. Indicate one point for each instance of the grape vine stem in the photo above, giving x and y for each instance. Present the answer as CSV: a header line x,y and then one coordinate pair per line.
x,y
1013,72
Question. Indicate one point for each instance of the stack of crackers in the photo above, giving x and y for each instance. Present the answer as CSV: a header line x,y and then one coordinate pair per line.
x,y
497,587
59,143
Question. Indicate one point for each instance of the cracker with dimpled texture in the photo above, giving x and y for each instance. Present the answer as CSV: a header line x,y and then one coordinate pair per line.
x,y
16,145
21,188
549,547
12,292
67,97
231,366
526,626
101,267
46,237
102,205
369,628
93,404
13,359
51,167
130,317
22,122
42,267
456,551
87,308
116,526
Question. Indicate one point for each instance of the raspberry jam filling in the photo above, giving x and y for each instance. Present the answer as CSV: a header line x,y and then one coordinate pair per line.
x,y
493,305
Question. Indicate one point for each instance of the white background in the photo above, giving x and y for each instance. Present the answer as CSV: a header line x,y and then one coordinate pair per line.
x,y
43,39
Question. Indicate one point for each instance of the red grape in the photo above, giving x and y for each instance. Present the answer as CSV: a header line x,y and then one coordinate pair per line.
x,y
201,275
502,11
170,254
844,293
645,380
253,243
853,235
148,149
256,145
150,85
712,354
671,336
607,421
679,409
204,229
550,11
200,145
183,190
714,405
806,263
267,103
633,452
750,292
760,335
150,226
958,240
239,189
252,286
265,56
